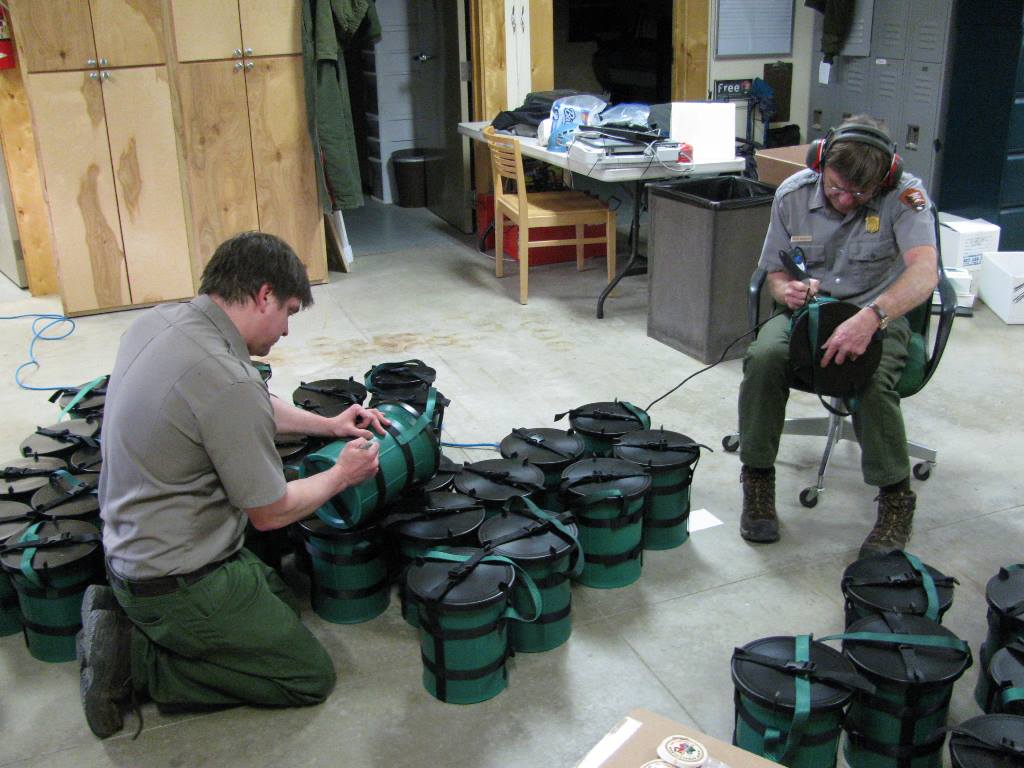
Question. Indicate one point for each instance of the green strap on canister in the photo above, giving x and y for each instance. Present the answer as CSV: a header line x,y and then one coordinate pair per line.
x,y
510,611
420,424
80,395
1010,695
918,641
801,711
577,567
27,554
932,610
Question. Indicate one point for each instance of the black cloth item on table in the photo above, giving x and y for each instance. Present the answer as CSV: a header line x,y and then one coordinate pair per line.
x,y
523,120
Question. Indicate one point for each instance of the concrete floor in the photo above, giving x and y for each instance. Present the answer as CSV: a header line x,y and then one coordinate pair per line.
x,y
663,643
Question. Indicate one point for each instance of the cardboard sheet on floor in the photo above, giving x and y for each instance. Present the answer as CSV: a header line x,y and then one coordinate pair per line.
x,y
635,739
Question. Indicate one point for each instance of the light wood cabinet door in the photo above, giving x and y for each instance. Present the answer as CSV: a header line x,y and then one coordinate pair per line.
x,y
271,27
54,35
286,189
207,29
129,33
218,155
148,184
71,132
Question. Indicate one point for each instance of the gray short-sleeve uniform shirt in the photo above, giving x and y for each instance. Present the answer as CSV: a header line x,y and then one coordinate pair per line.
x,y
856,256
188,442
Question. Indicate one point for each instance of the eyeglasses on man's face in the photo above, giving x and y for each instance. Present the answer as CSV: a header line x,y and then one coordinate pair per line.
x,y
835,190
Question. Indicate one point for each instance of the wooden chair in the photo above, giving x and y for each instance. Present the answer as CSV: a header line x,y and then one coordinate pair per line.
x,y
540,209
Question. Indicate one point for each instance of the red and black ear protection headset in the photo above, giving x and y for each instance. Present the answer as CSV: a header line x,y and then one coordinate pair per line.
x,y
862,134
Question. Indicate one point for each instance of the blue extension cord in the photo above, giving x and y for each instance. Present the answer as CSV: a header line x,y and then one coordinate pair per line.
x,y
39,334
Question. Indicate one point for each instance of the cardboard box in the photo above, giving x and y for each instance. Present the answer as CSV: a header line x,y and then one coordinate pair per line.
x,y
964,241
776,165
634,741
1001,284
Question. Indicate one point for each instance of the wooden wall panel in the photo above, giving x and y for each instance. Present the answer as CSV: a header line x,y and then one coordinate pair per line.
x,y
205,29
690,50
271,27
26,184
129,32
72,136
142,145
542,45
54,35
286,191
218,155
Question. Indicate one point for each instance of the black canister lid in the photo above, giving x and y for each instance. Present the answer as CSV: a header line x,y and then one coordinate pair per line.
x,y
657,449
13,517
445,475
608,419
314,526
1006,667
539,540
93,401
15,482
329,397
499,479
1005,592
86,460
988,741
438,516
890,583
51,558
63,442
484,585
291,446
543,447
60,497
404,375
590,476
775,688
887,662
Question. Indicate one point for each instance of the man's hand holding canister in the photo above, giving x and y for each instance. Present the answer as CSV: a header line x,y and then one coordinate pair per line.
x,y
798,292
359,461
356,421
850,339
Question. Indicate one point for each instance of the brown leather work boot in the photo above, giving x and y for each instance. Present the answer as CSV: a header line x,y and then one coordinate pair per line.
x,y
759,523
894,524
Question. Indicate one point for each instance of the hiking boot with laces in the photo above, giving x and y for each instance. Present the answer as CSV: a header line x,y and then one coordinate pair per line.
x,y
894,524
759,523
104,655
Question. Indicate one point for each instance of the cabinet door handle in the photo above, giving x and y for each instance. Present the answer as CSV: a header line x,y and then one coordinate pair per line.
x,y
249,65
248,51
94,75
104,62
104,75
90,62
237,53
238,66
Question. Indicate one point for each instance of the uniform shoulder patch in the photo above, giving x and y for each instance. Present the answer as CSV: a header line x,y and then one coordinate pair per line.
x,y
913,198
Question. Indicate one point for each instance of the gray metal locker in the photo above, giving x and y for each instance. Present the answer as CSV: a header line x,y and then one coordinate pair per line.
x,y
854,91
886,92
858,41
889,29
915,138
929,25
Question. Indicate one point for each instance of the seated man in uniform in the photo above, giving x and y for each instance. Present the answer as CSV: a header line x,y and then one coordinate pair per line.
x,y
868,237
189,459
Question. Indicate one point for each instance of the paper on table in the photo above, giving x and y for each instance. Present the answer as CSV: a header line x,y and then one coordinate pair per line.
x,y
709,127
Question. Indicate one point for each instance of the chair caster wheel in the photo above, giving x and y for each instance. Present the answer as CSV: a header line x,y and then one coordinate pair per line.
x,y
731,443
809,497
923,470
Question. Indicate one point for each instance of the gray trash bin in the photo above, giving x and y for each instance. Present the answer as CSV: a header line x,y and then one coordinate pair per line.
x,y
705,240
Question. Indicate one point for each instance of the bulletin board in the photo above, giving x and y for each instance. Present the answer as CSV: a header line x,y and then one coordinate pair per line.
x,y
754,28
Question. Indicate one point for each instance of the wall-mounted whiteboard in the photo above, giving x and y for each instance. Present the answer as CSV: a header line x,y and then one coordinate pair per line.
x,y
754,28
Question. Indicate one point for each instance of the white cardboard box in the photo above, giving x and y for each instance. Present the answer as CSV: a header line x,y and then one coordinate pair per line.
x,y
1001,284
964,241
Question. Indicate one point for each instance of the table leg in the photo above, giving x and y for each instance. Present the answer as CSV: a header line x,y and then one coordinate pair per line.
x,y
634,250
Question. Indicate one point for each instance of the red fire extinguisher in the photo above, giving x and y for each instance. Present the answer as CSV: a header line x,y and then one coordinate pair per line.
x,y
6,42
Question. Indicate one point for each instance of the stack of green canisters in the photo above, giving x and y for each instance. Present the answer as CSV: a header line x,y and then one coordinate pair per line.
x,y
329,397
1005,684
69,497
349,578
601,424
608,498
988,741
14,516
670,458
897,582
463,600
546,547
1004,594
550,450
22,477
51,563
494,482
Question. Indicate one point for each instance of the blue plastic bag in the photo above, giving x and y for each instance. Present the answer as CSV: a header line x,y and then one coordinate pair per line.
x,y
567,113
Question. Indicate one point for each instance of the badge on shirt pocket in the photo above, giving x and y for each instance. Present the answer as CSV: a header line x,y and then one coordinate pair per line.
x,y
872,224
795,239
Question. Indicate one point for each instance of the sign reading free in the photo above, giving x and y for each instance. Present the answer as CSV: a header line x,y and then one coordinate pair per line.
x,y
733,89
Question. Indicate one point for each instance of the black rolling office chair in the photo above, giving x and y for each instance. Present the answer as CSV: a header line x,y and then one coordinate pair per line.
x,y
922,361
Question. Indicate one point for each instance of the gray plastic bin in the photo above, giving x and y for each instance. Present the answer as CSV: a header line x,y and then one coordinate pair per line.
x,y
705,240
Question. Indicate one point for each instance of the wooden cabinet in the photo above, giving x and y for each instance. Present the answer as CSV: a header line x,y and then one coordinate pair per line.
x,y
220,29
116,207
248,156
57,35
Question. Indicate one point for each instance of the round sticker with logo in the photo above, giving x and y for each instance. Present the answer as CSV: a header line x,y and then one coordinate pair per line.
x,y
683,751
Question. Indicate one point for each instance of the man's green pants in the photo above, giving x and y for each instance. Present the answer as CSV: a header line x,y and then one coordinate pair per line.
x,y
877,421
233,637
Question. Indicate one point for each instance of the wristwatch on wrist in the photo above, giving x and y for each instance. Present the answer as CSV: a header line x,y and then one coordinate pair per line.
x,y
881,314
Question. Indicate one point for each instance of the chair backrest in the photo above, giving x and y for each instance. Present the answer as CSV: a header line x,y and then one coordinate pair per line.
x,y
506,164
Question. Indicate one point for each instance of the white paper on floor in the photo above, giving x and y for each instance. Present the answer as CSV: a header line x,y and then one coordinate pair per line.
x,y
701,519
